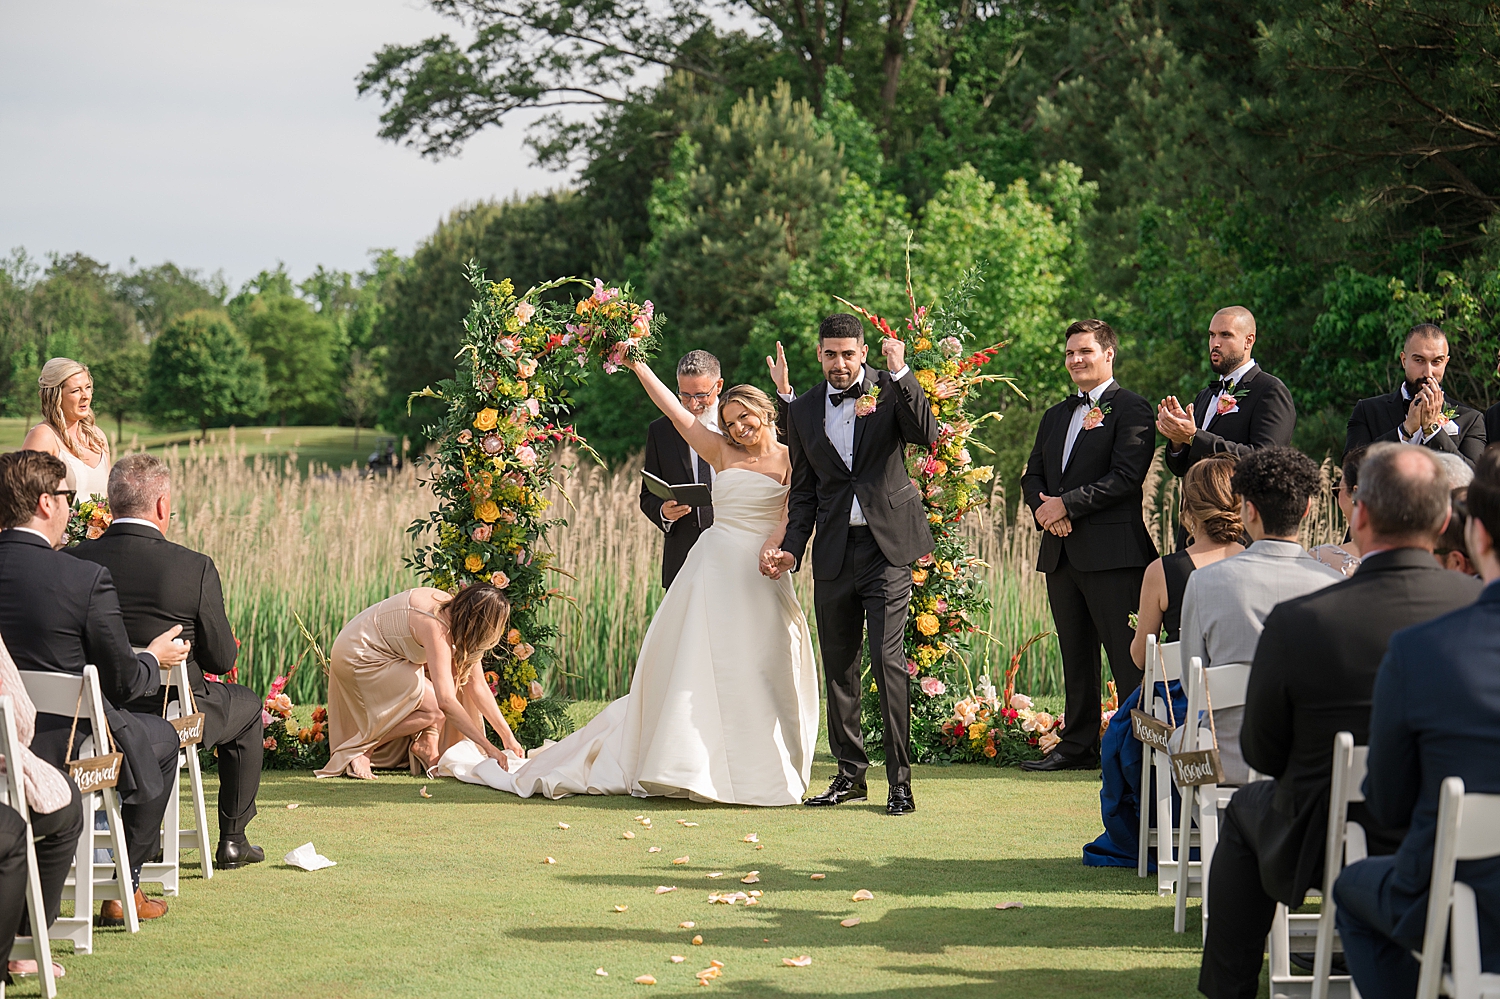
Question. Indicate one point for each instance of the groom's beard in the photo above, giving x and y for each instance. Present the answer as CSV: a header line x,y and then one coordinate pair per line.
x,y
1412,388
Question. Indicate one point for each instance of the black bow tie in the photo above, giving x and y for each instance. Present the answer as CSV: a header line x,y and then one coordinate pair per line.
x,y
1074,401
852,392
1221,385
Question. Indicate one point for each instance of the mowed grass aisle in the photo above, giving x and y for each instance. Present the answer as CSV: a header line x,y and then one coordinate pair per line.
x,y
450,896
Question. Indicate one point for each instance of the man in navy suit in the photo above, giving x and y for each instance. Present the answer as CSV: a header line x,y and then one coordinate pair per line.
x,y
1435,714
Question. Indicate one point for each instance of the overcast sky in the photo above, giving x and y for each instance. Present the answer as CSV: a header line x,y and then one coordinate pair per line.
x,y
221,135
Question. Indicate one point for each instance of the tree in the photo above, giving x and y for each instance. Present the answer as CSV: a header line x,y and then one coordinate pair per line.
x,y
202,372
300,348
364,387
120,382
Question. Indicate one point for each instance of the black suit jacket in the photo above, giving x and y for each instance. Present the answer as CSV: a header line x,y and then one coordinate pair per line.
x,y
1377,418
1266,417
823,487
1313,676
1101,487
162,584
1492,424
669,457
58,614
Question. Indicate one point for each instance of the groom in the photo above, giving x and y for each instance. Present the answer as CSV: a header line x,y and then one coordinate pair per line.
x,y
849,478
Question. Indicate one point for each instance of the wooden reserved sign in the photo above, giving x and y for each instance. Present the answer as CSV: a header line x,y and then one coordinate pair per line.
x,y
96,772
1149,730
1196,767
189,729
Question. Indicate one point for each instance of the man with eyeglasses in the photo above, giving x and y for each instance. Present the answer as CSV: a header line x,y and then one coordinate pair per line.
x,y
59,613
668,457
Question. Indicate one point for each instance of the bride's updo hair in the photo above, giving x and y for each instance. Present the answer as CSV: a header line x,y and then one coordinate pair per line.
x,y
752,399
1209,502
476,620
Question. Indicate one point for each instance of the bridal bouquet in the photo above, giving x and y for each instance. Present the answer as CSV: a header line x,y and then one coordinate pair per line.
x,y
613,328
89,519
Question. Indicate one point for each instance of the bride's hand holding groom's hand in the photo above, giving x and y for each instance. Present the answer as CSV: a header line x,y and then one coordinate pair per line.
x,y
774,561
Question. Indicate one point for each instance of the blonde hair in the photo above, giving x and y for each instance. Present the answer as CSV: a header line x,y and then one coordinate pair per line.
x,y
476,620
1210,502
55,374
752,399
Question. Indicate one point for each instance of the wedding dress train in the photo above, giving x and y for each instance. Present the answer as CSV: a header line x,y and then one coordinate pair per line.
x,y
724,702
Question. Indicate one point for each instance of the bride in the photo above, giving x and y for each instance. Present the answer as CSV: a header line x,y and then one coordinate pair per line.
x,y
724,704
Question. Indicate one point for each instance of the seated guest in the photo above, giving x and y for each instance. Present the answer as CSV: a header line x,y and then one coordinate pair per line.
x,y
1418,412
1210,515
56,823
58,614
1435,714
1225,604
1343,556
1452,551
405,667
1312,678
162,584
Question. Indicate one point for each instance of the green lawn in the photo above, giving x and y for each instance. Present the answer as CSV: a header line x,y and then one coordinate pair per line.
x,y
450,896
333,446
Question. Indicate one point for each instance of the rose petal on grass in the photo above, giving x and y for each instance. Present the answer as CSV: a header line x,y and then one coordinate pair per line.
x,y
293,805
752,878
863,895
601,972
621,908
687,924
563,825
698,940
715,874
752,901
663,889
645,980
681,860
797,962
627,834
691,825
851,921
757,893
423,791
548,860
752,838
639,817
819,877
760,846
1011,905
677,959
654,849
717,964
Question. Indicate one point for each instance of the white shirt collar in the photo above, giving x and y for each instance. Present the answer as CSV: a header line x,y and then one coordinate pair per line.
x,y
136,520
1239,372
1099,390
39,534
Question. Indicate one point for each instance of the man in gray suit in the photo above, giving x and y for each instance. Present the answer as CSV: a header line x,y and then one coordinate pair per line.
x,y
1225,604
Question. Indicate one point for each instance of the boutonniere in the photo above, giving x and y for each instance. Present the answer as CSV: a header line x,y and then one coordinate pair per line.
x,y
865,404
1095,416
1228,403
1450,425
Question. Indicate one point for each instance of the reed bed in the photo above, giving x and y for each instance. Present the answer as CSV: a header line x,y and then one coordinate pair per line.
x,y
324,544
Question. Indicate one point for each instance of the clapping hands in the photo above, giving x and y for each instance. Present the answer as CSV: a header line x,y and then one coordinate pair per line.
x,y
1175,423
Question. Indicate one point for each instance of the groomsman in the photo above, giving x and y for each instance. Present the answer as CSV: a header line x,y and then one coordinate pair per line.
x,y
1492,416
1083,485
669,457
1419,412
1242,409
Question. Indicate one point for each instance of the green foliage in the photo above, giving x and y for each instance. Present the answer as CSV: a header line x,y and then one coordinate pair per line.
x,y
120,382
202,372
299,347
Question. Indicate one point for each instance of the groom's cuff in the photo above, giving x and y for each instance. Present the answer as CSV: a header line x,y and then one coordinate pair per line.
x,y
786,397
898,375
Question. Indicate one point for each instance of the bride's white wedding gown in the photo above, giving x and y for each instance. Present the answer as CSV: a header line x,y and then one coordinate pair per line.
x,y
724,702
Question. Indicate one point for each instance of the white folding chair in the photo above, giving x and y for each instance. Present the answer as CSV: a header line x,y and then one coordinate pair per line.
x,y
38,946
1163,665
58,694
1343,845
1468,828
1214,688
174,838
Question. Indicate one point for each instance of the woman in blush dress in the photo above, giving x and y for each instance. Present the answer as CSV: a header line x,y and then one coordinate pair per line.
x,y
405,668
68,431
723,705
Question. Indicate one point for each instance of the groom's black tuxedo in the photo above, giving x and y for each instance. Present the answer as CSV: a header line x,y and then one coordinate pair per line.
x,y
862,573
162,584
1094,574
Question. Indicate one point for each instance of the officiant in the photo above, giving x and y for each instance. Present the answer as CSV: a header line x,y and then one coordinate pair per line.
x,y
668,457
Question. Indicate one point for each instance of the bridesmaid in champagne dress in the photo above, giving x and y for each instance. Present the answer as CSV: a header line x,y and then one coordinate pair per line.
x,y
405,669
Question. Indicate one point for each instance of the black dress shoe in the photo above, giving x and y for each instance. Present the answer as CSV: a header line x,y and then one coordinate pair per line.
x,y
840,790
230,855
1057,761
900,801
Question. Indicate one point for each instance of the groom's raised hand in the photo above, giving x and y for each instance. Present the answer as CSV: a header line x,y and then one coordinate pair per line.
x,y
895,353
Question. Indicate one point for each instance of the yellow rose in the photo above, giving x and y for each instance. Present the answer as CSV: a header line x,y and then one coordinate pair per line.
x,y
487,419
924,344
487,511
918,576
474,562
977,730
927,624
517,703
927,378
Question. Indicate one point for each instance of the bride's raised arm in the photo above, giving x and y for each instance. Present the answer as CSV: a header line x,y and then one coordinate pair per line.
x,y
709,443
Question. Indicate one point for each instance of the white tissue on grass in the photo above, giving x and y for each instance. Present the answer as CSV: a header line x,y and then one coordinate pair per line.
x,y
308,858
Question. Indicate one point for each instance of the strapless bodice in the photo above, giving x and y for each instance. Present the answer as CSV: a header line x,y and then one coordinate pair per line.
x,y
748,501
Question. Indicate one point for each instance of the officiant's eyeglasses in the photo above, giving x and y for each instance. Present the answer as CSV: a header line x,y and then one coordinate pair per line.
x,y
695,396
69,493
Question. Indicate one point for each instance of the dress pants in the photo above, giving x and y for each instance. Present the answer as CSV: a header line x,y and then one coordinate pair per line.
x,y
1367,915
56,835
1090,609
232,724
1242,912
868,595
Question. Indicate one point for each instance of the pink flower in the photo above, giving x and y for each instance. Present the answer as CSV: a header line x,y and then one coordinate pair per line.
x,y
270,743
1020,702
525,455
942,606
526,369
465,436
524,312
864,405
951,346
912,668
499,580
1094,417
278,685
482,532
523,651
537,693
266,720
1228,404
506,344
523,557
603,294
932,686
507,516
533,407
